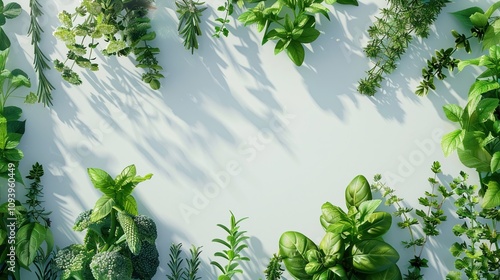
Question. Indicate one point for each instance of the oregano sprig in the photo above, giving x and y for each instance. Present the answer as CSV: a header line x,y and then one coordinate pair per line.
x,y
44,89
123,26
391,34
189,22
428,218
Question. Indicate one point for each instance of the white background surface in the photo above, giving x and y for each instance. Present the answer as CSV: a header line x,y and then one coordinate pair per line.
x,y
219,107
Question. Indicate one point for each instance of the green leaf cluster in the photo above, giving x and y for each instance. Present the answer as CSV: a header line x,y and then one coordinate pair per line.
x,y
391,35
352,247
33,241
484,27
234,244
477,252
123,25
290,23
115,230
427,218
9,11
477,141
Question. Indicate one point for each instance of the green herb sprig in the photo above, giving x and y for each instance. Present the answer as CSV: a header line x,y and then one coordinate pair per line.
x,y
45,88
391,34
189,22
227,9
478,257
235,244
274,271
175,263
428,218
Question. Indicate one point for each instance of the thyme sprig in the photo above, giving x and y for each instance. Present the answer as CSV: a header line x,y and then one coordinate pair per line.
x,y
44,89
189,22
391,34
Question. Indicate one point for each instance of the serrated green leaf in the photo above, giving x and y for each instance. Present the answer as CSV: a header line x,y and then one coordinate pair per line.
x,y
491,198
482,86
102,208
101,179
453,112
452,141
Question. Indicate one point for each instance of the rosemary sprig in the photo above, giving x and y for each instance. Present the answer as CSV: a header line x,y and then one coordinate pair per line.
x,y
392,33
189,22
44,89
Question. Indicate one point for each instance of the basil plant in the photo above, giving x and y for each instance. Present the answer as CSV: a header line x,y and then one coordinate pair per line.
x,y
352,247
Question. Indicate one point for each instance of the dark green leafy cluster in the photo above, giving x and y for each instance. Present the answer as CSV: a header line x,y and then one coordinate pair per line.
x,y
391,34
427,218
352,247
235,243
482,26
291,23
178,271
119,241
123,25
274,269
189,22
478,256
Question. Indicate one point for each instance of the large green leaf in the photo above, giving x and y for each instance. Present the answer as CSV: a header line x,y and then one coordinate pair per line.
x,y
452,141
126,176
19,78
101,180
332,244
376,225
464,15
12,10
495,162
482,86
368,207
453,112
13,154
357,191
293,247
29,238
485,108
492,196
473,154
130,205
371,256
102,208
296,52
12,113
348,2
392,273
332,213
4,40
479,20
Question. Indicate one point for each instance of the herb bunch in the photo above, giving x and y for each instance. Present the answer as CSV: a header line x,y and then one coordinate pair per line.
x,y
274,269
189,22
482,26
44,89
177,270
123,25
478,257
427,218
291,23
234,244
391,34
